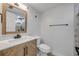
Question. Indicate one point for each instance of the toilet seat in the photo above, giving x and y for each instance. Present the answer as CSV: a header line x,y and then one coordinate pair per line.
x,y
44,48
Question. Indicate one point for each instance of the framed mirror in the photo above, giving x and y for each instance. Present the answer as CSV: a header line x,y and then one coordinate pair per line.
x,y
15,19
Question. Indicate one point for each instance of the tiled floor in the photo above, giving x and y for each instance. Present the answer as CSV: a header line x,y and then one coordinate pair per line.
x,y
49,54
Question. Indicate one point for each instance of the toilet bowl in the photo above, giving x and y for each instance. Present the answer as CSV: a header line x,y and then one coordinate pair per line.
x,y
44,49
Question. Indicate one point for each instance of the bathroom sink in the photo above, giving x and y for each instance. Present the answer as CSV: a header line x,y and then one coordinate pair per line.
x,y
10,40
5,41
15,40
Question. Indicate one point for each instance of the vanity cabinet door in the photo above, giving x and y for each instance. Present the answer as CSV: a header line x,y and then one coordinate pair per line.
x,y
13,51
32,48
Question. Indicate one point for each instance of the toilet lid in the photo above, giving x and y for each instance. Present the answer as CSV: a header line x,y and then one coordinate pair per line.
x,y
44,48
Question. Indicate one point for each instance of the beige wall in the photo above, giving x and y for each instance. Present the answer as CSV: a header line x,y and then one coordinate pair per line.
x,y
0,19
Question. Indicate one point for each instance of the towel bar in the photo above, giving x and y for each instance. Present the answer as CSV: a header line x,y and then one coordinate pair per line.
x,y
59,25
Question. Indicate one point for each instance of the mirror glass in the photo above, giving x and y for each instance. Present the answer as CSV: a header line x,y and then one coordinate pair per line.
x,y
15,19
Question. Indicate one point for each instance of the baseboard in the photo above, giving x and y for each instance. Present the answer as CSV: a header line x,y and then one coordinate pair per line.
x,y
57,54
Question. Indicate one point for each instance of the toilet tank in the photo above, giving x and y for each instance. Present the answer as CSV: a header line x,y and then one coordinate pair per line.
x,y
39,41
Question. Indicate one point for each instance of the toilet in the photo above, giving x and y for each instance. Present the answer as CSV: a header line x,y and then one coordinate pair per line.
x,y
43,49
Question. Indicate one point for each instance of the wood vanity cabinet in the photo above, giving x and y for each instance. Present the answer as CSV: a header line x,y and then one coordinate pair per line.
x,y
24,49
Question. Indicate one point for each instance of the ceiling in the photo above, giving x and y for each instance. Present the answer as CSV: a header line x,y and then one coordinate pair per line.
x,y
43,6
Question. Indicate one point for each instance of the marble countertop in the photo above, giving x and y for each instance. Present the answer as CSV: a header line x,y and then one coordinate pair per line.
x,y
4,44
